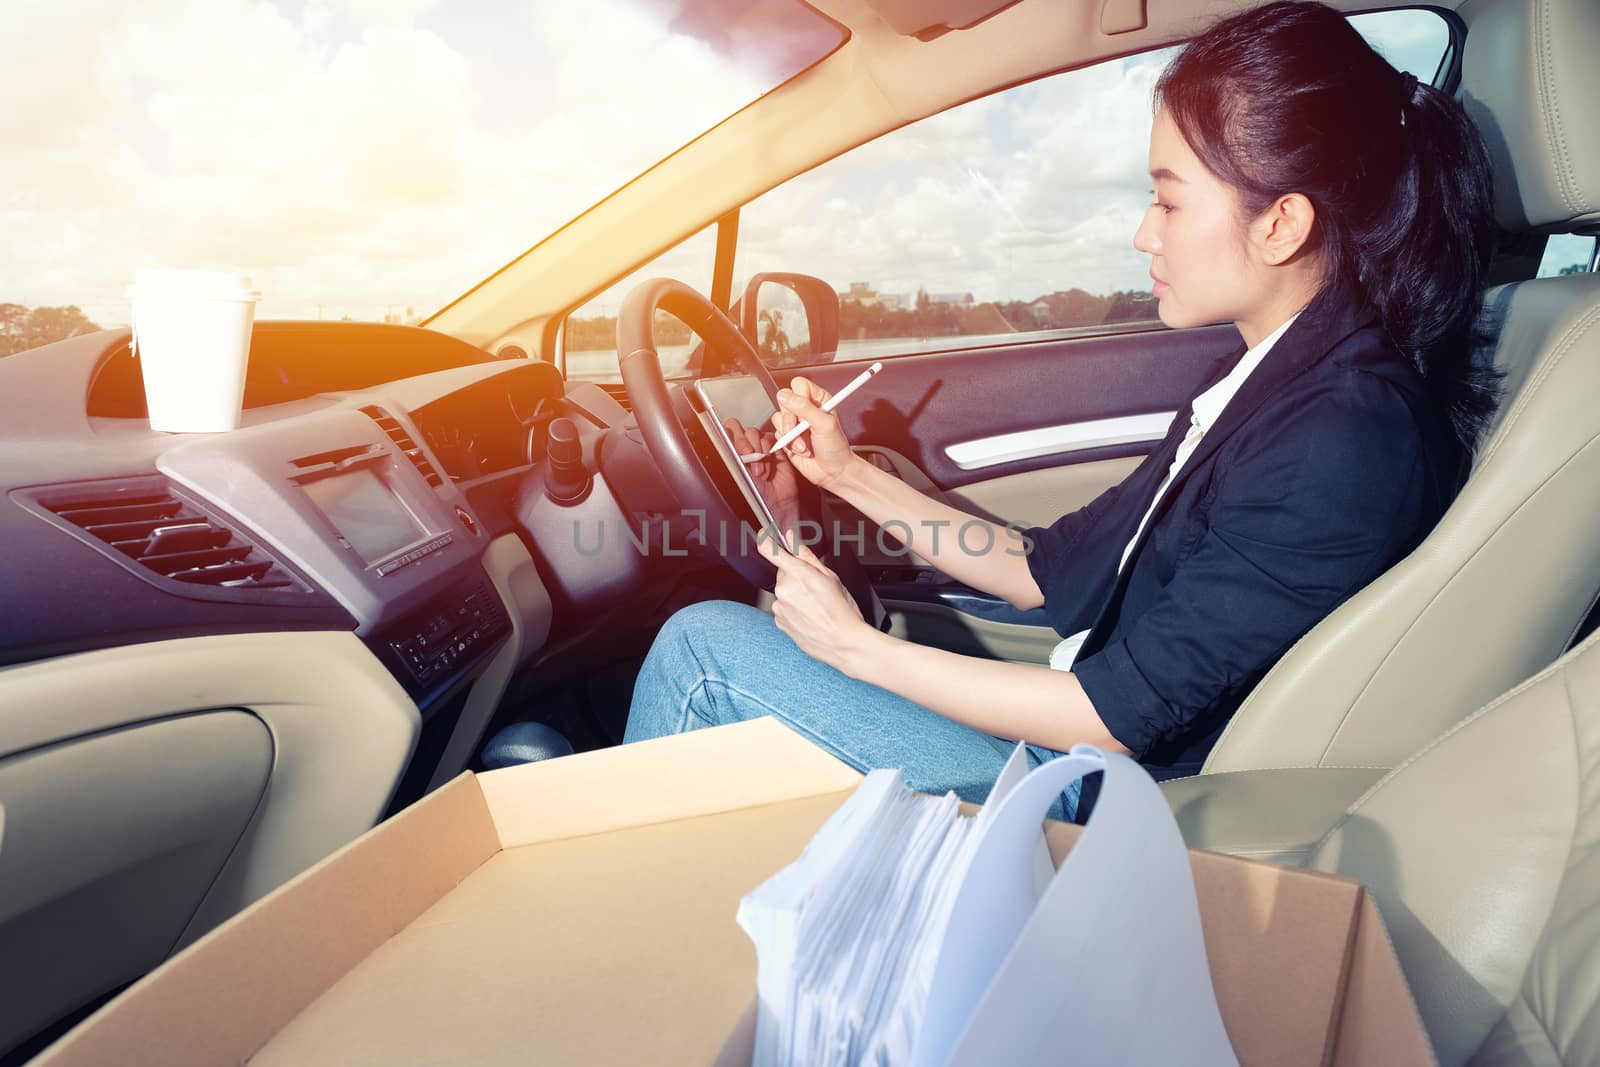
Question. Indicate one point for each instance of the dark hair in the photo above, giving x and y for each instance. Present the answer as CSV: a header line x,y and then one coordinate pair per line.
x,y
1289,98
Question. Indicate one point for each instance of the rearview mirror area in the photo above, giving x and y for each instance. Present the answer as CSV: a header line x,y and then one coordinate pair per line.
x,y
791,319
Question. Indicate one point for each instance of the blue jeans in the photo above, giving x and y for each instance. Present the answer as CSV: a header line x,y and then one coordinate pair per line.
x,y
718,662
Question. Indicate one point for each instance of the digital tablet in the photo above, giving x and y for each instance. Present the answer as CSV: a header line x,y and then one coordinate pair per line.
x,y
738,396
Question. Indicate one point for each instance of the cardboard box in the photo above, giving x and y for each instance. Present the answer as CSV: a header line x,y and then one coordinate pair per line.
x,y
582,911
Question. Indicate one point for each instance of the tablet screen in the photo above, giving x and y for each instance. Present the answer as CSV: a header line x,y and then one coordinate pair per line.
x,y
741,397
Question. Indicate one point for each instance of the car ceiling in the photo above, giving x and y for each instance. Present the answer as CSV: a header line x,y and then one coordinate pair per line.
x,y
878,80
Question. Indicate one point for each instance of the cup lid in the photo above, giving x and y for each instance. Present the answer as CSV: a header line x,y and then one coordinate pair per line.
x,y
173,281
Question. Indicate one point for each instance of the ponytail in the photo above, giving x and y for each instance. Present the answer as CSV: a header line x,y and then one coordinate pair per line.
x,y
1288,97
1429,291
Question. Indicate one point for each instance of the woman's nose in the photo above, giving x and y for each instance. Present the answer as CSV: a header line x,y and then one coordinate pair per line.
x,y
1145,238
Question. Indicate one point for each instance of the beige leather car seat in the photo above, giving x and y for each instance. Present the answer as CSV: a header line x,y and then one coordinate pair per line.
x,y
1483,854
1500,587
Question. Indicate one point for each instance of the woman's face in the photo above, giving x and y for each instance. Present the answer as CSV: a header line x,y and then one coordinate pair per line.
x,y
1199,256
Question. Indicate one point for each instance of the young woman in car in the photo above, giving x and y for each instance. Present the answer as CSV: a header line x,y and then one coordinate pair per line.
x,y
1339,214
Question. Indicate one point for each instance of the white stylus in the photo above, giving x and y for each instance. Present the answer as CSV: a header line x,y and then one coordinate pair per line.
x,y
828,405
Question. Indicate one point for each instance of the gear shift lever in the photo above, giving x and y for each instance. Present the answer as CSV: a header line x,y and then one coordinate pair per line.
x,y
566,480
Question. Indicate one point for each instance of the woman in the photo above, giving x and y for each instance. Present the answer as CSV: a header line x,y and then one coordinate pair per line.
x,y
1336,212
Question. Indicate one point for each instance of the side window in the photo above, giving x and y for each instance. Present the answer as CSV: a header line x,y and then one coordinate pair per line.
x,y
589,338
1414,40
1567,253
1009,218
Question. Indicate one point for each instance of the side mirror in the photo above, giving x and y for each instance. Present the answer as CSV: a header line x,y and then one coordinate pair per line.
x,y
791,319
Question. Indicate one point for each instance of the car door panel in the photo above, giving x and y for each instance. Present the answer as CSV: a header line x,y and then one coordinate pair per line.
x,y
922,406
1022,434
1029,498
103,861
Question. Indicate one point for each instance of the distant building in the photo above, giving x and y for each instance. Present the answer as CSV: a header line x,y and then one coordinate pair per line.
x,y
862,293
950,298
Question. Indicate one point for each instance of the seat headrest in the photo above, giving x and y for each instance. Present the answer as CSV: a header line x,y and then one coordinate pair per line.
x,y
1529,79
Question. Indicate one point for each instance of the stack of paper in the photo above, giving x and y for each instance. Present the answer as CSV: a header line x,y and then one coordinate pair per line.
x,y
847,936
909,934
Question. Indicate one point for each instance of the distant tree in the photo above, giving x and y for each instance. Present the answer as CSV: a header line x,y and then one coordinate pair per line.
x,y
983,318
1074,307
1132,306
774,346
23,328
13,328
1576,268
598,334
923,317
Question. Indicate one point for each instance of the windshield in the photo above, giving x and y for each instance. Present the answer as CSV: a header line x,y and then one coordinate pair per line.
x,y
357,159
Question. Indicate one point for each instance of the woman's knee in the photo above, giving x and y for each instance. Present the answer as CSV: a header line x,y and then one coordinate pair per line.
x,y
703,629
710,619
695,643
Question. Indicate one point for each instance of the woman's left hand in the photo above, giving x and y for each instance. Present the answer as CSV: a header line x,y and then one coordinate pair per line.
x,y
814,608
774,476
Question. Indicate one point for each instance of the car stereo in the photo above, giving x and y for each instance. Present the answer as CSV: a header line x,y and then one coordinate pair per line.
x,y
366,513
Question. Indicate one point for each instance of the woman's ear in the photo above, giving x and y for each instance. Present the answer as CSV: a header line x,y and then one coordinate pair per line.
x,y
1284,228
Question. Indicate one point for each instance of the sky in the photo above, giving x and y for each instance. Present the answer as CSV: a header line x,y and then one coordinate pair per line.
x,y
373,157
361,155
1009,197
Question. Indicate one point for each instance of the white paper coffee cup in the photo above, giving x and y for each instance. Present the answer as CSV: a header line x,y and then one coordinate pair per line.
x,y
191,332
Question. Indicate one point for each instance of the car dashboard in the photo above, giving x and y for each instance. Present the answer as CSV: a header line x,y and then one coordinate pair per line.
x,y
348,499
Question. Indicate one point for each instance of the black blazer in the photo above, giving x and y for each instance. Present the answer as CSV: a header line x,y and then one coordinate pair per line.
x,y
1328,465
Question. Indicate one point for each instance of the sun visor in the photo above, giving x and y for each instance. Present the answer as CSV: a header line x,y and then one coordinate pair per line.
x,y
927,19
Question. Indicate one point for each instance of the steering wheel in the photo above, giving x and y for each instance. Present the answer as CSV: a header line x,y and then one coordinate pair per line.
x,y
658,417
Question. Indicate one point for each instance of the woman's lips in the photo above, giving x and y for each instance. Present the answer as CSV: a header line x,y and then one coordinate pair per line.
x,y
1158,287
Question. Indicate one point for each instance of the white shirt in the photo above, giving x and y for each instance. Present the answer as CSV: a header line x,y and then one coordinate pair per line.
x,y
1204,412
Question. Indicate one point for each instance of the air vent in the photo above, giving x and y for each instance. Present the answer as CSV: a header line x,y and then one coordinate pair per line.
x,y
618,392
397,433
171,537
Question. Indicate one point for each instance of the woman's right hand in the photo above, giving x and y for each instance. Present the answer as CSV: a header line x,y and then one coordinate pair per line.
x,y
821,454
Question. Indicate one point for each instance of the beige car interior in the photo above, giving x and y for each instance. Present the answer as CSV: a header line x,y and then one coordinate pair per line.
x,y
148,792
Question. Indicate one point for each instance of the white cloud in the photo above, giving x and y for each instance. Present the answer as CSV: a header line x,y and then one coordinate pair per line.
x,y
384,12
362,155
1410,39
1029,191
